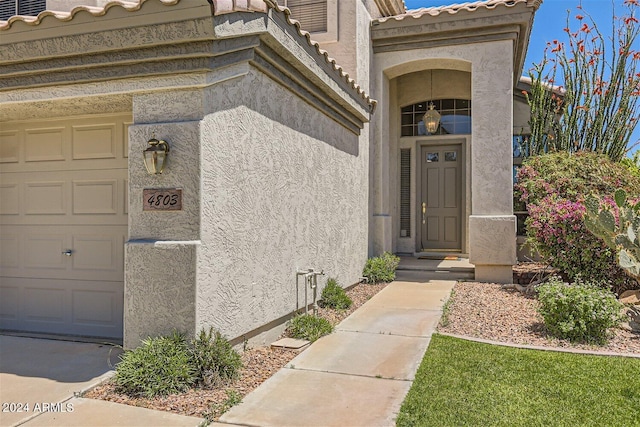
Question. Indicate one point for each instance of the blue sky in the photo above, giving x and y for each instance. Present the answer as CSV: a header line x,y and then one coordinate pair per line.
x,y
549,23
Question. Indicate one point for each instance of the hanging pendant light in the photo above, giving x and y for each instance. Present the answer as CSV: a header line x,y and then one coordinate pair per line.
x,y
431,118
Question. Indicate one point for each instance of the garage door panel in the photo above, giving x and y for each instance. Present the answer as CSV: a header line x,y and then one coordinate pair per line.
x,y
94,141
65,197
45,198
44,304
95,307
44,251
44,145
9,147
95,197
97,252
72,307
9,199
9,304
9,250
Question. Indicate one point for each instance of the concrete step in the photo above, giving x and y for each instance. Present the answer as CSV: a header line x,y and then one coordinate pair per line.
x,y
443,269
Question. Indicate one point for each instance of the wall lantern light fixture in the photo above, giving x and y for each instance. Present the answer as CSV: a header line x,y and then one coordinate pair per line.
x,y
431,118
156,156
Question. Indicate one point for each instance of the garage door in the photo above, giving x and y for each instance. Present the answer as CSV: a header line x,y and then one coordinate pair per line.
x,y
63,224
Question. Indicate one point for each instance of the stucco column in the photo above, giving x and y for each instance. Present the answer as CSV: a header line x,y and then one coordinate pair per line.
x,y
161,254
379,151
492,225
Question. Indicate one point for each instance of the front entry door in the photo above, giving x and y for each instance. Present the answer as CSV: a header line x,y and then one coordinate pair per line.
x,y
439,206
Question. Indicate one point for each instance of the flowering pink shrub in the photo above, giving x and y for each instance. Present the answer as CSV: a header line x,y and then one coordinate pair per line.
x,y
554,187
556,230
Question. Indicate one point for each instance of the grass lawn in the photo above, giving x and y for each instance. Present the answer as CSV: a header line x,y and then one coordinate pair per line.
x,y
464,383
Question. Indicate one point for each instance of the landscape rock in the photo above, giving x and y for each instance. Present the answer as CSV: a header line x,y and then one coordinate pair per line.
x,y
633,314
630,297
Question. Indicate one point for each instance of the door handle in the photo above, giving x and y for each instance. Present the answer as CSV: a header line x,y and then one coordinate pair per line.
x,y
67,252
424,212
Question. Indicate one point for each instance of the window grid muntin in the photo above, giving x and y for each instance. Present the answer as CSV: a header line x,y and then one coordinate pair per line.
x,y
411,115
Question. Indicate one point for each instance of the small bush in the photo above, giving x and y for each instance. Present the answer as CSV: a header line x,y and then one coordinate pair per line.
x,y
216,362
578,312
160,366
308,327
382,268
334,296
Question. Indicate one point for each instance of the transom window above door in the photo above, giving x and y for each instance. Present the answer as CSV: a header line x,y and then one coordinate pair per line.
x,y
455,117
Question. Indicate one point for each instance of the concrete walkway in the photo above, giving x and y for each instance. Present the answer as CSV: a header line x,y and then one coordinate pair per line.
x,y
359,375
39,379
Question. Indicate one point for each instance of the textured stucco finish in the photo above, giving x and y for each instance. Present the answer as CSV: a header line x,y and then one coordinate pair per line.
x,y
491,243
416,87
491,154
283,188
493,273
160,289
182,171
274,180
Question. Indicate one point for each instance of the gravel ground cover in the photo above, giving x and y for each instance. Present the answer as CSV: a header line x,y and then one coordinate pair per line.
x,y
258,365
477,310
488,311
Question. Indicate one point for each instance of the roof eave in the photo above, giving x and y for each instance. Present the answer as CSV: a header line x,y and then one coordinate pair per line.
x,y
458,24
391,7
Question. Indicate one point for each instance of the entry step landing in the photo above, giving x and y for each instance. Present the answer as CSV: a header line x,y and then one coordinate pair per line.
x,y
457,267
291,343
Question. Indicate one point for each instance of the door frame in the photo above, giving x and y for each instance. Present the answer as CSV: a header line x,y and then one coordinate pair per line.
x,y
439,141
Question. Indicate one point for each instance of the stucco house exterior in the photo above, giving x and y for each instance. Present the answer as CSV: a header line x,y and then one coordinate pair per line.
x,y
289,150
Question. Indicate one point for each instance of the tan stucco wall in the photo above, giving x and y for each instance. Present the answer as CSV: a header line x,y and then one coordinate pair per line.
x,y
283,189
489,149
352,47
417,86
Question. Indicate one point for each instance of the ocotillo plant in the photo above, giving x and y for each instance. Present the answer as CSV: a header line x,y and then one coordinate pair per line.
x,y
594,106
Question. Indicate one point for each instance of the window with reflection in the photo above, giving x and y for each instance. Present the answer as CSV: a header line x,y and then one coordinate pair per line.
x,y
455,117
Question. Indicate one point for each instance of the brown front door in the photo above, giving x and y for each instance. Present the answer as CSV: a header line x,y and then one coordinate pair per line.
x,y
439,209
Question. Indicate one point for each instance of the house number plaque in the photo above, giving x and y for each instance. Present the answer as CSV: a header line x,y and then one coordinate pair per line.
x,y
162,199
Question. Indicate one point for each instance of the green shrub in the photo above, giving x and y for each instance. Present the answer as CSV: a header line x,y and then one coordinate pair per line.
x,y
632,164
308,327
334,296
160,366
382,268
578,312
216,362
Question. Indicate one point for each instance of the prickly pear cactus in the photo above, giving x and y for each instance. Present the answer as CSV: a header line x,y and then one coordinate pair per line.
x,y
624,235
